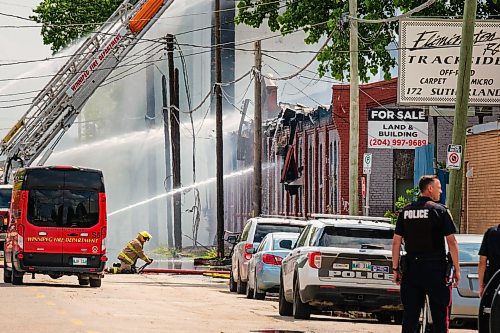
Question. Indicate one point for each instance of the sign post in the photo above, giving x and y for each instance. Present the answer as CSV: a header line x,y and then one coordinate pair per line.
x,y
367,170
454,157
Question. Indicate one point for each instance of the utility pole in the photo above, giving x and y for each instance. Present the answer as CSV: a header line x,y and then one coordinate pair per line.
x,y
219,150
168,167
257,128
173,81
462,105
353,111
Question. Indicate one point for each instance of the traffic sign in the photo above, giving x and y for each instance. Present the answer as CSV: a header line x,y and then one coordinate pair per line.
x,y
367,163
454,157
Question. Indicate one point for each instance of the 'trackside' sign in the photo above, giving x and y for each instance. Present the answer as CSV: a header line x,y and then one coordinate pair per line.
x,y
429,61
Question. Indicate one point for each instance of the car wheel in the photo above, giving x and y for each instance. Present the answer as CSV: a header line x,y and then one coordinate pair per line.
x,y
398,317
232,283
249,291
257,294
300,310
285,308
241,286
6,275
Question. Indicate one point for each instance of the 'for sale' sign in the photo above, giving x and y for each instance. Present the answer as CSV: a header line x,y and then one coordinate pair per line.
x,y
394,128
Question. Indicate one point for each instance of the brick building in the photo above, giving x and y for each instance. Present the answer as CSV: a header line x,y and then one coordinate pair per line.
x,y
481,196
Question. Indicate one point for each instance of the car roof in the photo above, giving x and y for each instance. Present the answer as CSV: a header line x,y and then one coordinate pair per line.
x,y
357,222
469,238
283,234
279,220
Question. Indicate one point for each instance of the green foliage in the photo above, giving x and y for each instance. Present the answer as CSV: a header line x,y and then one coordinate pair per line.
x,y
64,21
320,18
167,251
411,195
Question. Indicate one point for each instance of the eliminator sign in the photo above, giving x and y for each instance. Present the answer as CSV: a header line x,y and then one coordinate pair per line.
x,y
429,61
397,128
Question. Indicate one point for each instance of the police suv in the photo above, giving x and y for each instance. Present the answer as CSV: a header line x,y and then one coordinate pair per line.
x,y
341,263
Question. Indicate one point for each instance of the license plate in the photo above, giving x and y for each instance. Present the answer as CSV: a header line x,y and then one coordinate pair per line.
x,y
79,261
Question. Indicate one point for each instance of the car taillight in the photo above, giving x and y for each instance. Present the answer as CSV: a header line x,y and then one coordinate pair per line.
x,y
271,259
248,256
314,259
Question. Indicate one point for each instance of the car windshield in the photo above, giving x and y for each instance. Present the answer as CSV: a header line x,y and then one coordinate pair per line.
x,y
263,229
360,238
5,194
468,252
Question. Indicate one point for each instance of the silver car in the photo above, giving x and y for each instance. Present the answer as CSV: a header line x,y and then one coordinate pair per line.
x,y
253,233
264,267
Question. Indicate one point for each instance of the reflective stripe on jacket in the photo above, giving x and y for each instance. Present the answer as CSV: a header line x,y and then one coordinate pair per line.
x,y
132,251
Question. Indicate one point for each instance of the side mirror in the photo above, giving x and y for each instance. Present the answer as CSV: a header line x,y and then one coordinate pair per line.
x,y
251,250
233,239
286,244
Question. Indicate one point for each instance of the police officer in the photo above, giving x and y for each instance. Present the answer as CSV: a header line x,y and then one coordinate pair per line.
x,y
489,257
423,226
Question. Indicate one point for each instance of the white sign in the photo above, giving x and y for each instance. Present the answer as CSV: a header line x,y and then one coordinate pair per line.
x,y
367,163
454,157
84,74
397,128
429,60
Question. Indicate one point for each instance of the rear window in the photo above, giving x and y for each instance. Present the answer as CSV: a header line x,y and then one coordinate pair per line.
x,y
63,208
63,178
5,194
468,252
357,238
263,229
276,243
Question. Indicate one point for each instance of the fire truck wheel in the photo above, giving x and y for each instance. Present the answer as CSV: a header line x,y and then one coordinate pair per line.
x,y
95,283
17,277
6,275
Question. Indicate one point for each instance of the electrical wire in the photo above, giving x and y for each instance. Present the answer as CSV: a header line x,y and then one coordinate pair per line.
x,y
395,18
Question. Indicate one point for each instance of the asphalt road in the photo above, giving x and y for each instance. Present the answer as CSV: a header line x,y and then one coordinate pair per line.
x,y
154,303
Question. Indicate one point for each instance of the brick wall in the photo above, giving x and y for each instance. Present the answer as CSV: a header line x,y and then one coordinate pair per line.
x,y
481,197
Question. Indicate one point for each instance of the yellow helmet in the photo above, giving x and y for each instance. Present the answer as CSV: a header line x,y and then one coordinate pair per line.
x,y
146,235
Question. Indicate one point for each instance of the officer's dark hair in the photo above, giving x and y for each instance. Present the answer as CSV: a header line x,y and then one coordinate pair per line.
x,y
426,181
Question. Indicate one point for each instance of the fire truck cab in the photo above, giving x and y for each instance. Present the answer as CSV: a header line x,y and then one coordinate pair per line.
x,y
5,195
58,224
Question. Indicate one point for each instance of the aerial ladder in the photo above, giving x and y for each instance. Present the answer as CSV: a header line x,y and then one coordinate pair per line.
x,y
58,104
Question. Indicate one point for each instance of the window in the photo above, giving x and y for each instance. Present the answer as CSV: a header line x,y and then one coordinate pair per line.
x,y
356,238
63,208
302,237
5,194
263,245
244,234
276,243
468,252
263,229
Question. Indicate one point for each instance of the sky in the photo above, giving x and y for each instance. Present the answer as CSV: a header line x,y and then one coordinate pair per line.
x,y
18,44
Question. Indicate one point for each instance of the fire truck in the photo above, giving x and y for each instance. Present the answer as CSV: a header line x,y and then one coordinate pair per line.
x,y
58,104
44,233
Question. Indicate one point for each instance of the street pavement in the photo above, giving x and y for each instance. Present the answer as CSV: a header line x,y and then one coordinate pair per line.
x,y
155,303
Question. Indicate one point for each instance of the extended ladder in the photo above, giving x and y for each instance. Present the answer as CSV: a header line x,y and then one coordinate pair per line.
x,y
56,107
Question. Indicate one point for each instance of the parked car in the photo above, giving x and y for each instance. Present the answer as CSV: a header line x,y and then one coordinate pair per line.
x,y
465,298
341,263
5,197
253,233
264,267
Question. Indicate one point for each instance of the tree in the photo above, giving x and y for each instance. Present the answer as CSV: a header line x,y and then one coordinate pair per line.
x,y
64,21
320,18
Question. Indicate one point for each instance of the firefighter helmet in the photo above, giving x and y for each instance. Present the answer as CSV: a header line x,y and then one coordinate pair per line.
x,y
146,235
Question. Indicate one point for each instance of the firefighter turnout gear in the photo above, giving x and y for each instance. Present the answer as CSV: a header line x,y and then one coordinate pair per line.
x,y
131,252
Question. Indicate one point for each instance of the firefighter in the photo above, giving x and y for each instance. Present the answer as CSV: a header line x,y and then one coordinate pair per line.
x,y
423,226
133,251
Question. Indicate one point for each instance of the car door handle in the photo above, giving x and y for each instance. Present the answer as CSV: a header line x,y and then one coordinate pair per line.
x,y
73,234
